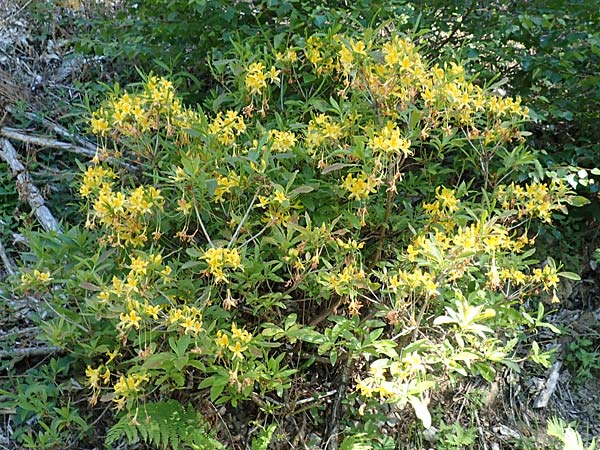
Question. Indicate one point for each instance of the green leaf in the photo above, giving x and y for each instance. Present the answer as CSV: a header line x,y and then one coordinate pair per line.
x,y
578,201
570,276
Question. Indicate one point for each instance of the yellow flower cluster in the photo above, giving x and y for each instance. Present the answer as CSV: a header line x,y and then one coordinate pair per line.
x,y
547,277
257,77
236,342
320,55
322,129
361,186
224,185
154,109
282,141
96,377
218,259
389,142
468,239
143,269
289,57
349,280
187,318
417,280
36,277
443,209
128,387
227,126
94,178
124,215
535,200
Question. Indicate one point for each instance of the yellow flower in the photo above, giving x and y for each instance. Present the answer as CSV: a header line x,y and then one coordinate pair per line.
x,y
237,349
280,197
256,78
184,206
222,340
152,310
139,266
42,277
130,320
240,334
99,125
359,187
93,377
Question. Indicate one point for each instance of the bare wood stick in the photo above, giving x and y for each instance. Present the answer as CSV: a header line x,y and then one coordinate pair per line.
x,y
29,331
56,128
12,133
26,352
544,397
8,264
26,187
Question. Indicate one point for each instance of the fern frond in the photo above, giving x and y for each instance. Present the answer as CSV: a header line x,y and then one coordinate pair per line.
x,y
166,425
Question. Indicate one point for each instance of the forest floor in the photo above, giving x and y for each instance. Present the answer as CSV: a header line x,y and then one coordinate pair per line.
x,y
40,79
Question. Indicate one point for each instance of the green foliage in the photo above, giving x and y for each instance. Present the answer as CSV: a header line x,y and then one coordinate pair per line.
x,y
165,424
456,437
9,199
583,358
44,396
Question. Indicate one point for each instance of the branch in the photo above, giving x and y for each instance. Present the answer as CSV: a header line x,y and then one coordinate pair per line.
x,y
332,441
55,128
8,264
544,397
27,190
88,150
13,133
26,352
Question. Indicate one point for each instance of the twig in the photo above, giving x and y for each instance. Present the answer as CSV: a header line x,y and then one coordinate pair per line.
x,y
8,265
26,187
206,235
18,332
332,442
17,12
26,352
239,227
544,397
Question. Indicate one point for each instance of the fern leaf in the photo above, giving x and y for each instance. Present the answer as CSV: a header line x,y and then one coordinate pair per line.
x,y
166,425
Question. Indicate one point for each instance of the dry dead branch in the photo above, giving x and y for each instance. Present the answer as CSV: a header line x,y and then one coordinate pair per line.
x,y
28,352
41,141
13,133
57,129
8,264
27,190
544,397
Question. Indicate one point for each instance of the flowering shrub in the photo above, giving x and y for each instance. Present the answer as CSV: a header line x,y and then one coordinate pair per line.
x,y
339,197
